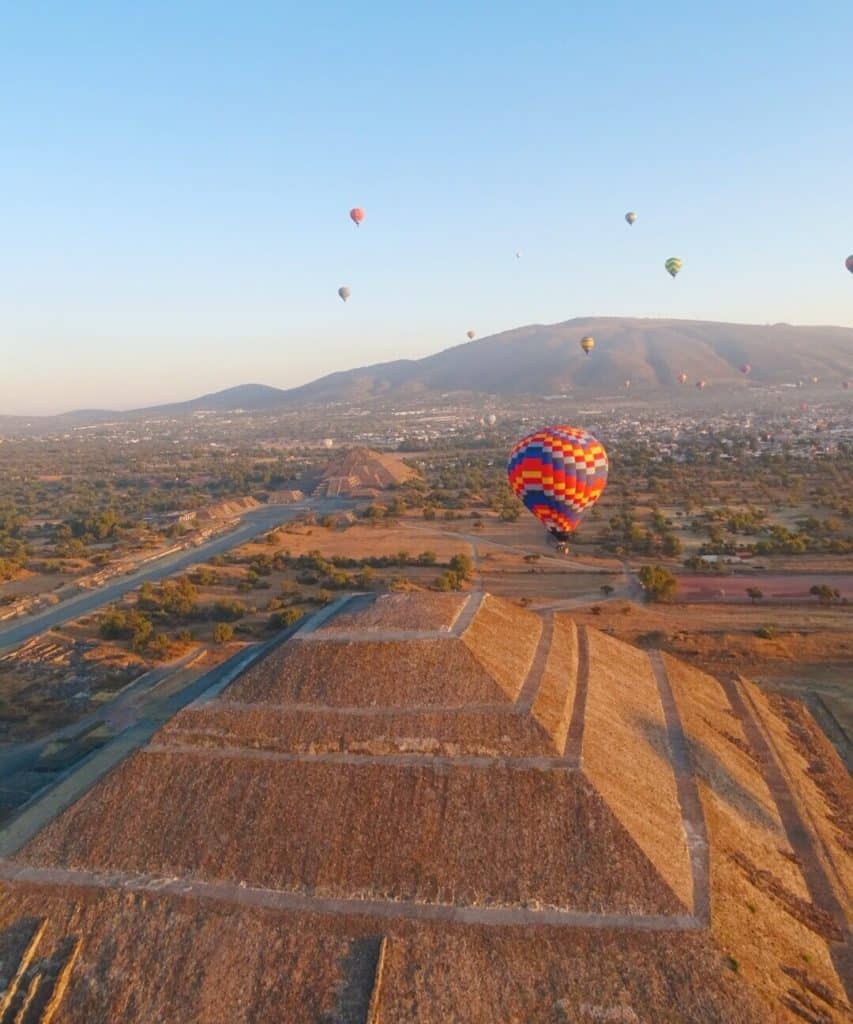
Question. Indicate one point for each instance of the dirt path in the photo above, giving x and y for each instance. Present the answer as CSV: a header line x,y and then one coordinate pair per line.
x,y
574,740
688,794
530,687
276,899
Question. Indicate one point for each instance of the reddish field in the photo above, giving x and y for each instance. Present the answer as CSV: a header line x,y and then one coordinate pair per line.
x,y
775,587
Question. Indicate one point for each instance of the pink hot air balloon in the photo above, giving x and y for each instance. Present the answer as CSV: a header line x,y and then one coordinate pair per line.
x,y
746,368
701,385
356,215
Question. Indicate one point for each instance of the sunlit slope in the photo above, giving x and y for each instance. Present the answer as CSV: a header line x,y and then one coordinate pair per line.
x,y
543,359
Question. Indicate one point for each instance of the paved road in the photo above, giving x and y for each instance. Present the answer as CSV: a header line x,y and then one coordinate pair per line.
x,y
254,523
17,757
164,705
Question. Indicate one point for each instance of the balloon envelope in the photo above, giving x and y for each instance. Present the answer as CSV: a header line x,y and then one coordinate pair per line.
x,y
630,217
559,473
356,215
849,263
673,265
746,368
344,292
682,378
470,335
700,384
587,344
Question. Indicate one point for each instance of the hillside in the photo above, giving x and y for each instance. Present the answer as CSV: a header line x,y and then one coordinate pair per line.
x,y
546,358
447,808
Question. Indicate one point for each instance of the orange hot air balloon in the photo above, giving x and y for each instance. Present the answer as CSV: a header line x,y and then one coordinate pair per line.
x,y
587,344
356,215
559,473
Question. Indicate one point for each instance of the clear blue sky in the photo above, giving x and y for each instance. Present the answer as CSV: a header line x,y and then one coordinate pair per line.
x,y
175,180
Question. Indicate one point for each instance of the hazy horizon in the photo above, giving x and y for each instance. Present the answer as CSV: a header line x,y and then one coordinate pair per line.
x,y
178,183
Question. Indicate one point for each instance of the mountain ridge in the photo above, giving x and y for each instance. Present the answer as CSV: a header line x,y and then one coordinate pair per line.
x,y
546,358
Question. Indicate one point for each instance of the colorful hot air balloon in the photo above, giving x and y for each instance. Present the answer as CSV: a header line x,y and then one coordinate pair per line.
x,y
701,384
344,292
470,335
682,378
746,368
559,473
356,215
630,217
673,265
849,263
587,344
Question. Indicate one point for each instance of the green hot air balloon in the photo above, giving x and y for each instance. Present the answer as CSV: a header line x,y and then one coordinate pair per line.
x,y
673,265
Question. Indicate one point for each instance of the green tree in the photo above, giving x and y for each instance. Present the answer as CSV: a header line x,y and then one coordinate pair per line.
x,y
658,583
223,632
462,565
286,617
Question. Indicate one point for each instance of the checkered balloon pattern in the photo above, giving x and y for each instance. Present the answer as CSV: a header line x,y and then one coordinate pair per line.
x,y
559,473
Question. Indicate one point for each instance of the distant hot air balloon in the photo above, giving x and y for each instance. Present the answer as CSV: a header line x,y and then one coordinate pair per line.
x,y
344,292
746,368
682,378
328,442
815,380
356,215
587,344
673,265
471,335
518,255
849,263
627,384
491,419
559,473
630,217
701,384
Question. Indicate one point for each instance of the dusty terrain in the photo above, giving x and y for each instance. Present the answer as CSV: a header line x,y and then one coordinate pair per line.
x,y
638,856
